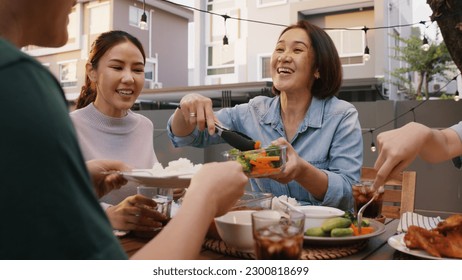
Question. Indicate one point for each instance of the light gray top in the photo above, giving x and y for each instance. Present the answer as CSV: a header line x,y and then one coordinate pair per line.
x,y
128,139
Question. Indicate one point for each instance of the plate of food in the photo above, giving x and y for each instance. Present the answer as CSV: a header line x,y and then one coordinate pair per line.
x,y
397,242
374,229
147,178
177,174
260,162
441,242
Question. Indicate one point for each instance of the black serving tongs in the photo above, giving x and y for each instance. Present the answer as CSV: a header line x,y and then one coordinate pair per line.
x,y
236,139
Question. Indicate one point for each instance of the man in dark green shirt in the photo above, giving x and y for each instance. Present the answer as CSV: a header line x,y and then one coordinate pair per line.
x,y
44,171
48,207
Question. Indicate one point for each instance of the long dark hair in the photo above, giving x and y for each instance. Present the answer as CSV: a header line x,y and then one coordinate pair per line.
x,y
100,46
327,61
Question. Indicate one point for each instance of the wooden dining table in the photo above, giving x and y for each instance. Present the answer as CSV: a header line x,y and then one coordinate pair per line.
x,y
376,248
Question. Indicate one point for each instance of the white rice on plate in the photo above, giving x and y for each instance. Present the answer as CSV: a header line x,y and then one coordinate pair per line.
x,y
176,167
276,205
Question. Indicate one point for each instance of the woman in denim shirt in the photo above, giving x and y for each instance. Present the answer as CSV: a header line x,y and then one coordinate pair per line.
x,y
323,134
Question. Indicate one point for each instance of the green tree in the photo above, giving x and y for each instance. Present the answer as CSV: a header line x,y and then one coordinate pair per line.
x,y
448,15
427,64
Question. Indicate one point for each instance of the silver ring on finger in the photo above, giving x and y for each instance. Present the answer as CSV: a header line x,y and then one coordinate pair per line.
x,y
192,115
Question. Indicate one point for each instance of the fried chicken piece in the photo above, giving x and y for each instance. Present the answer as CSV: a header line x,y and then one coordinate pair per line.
x,y
443,241
420,238
451,223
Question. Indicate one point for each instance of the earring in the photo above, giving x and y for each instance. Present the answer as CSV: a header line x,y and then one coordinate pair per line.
x,y
316,75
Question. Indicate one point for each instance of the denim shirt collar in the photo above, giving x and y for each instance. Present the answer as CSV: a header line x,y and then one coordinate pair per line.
x,y
312,119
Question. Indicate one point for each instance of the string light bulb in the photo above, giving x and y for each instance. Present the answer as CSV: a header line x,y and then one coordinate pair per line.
x,y
367,54
456,96
143,24
225,38
373,148
425,46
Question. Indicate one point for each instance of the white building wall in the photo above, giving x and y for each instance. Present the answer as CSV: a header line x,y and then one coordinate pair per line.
x,y
257,39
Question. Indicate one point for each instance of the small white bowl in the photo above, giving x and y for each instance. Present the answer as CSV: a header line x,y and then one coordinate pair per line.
x,y
235,229
315,215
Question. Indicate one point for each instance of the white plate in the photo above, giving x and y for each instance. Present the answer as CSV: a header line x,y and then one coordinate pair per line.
x,y
314,211
170,180
379,228
397,242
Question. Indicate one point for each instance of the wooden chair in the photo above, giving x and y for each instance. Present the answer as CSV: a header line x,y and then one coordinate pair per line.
x,y
398,197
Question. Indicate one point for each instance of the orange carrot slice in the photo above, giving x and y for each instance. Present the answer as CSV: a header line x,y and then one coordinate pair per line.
x,y
268,158
364,230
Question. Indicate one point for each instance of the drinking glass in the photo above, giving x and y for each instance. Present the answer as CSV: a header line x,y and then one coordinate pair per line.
x,y
162,196
362,193
277,235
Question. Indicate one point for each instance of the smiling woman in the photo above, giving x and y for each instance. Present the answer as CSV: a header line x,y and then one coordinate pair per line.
x,y
107,128
322,133
115,67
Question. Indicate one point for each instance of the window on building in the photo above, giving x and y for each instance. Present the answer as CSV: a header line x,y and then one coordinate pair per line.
x,y
221,58
268,3
73,27
350,45
100,18
264,67
68,73
151,73
134,16
222,5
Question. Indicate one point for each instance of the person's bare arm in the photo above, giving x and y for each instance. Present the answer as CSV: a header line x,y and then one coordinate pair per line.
x,y
196,110
399,147
446,145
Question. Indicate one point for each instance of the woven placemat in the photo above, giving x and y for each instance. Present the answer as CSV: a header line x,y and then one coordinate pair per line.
x,y
309,252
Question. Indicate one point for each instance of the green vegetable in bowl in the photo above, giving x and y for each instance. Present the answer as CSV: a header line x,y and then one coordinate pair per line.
x,y
354,221
316,231
246,166
364,222
261,162
341,232
273,150
337,222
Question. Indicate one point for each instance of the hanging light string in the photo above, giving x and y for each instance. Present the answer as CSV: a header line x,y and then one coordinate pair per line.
x,y
364,29
412,110
217,14
285,25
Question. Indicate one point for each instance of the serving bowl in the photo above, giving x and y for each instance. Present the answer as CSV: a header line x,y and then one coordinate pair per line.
x,y
261,162
235,229
254,201
316,215
248,201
